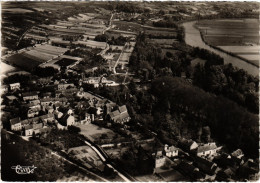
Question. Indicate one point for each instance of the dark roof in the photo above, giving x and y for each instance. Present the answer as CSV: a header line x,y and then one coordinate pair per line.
x,y
206,147
28,127
63,119
186,168
122,109
47,116
14,121
237,153
205,165
37,126
25,122
33,93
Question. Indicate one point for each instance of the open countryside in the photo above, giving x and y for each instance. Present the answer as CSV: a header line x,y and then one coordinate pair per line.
x,y
130,91
237,36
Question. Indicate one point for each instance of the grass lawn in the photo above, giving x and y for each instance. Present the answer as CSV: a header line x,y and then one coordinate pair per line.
x,y
93,132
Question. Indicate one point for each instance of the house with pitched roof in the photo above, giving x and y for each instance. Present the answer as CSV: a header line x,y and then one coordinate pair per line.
x,y
24,123
28,130
160,159
188,145
15,86
170,151
11,99
65,86
32,112
30,96
120,116
65,121
48,118
238,154
16,124
209,149
206,166
190,171
4,89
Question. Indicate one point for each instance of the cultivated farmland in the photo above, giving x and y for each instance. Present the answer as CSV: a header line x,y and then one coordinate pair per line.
x,y
236,36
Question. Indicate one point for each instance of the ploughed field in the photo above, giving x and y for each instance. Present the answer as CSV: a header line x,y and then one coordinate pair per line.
x,y
237,36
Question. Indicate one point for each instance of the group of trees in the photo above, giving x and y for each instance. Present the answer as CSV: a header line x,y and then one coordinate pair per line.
x,y
101,38
45,71
233,83
165,23
149,56
117,41
195,108
16,151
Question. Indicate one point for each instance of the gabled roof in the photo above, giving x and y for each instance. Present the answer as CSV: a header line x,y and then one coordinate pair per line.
x,y
14,121
11,97
206,147
114,113
122,109
63,120
47,116
37,126
187,168
237,153
28,127
34,110
170,149
207,163
13,84
25,122
33,120
26,94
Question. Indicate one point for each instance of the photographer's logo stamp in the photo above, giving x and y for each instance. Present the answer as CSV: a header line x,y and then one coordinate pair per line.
x,y
24,169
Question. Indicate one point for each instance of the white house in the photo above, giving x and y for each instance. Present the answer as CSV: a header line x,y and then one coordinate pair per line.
x,y
28,130
15,124
207,149
159,159
15,86
170,151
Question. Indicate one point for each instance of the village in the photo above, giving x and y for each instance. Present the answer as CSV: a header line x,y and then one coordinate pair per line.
x,y
68,94
71,106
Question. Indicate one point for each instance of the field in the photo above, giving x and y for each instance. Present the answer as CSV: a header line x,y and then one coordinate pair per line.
x,y
92,44
235,32
127,26
93,132
36,55
17,10
5,68
236,36
22,61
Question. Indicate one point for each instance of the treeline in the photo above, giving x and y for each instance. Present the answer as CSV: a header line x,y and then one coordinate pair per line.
x,y
165,23
130,7
16,151
152,58
210,57
230,124
233,83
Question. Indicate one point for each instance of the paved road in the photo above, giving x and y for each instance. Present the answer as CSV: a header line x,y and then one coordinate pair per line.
x,y
104,158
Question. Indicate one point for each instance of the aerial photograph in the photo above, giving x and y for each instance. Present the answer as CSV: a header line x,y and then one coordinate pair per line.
x,y
129,91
